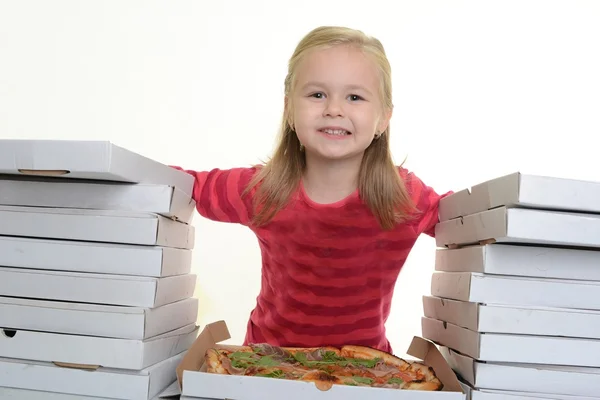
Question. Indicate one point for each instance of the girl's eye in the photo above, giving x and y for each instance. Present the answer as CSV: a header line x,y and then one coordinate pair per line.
x,y
318,95
355,97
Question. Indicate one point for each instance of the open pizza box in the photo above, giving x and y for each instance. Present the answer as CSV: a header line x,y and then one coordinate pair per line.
x,y
195,383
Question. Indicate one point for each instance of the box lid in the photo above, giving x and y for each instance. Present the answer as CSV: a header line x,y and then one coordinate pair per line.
x,y
82,159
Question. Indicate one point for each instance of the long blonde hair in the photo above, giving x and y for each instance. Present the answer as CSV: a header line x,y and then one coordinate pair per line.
x,y
380,185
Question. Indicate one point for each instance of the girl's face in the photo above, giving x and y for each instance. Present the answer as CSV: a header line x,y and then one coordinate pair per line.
x,y
336,103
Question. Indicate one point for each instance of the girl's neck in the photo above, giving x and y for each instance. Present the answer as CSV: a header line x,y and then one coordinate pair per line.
x,y
327,181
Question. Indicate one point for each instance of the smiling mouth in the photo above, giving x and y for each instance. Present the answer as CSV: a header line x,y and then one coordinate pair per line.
x,y
335,132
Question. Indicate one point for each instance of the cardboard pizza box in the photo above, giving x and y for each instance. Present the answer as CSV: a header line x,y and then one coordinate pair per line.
x,y
520,225
516,290
503,348
96,320
96,226
94,257
519,260
101,382
164,200
523,190
511,395
91,353
195,383
27,394
95,160
118,290
543,379
514,319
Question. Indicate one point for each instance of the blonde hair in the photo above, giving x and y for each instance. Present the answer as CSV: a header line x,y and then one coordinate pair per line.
x,y
380,185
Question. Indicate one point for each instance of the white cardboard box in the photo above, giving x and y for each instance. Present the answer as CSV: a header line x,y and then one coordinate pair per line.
x,y
58,193
90,352
528,349
548,379
102,382
117,290
195,383
96,226
521,320
100,258
25,394
97,160
519,260
510,395
520,225
96,320
512,290
522,190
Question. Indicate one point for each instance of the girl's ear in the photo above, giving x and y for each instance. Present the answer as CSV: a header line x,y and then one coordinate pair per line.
x,y
385,120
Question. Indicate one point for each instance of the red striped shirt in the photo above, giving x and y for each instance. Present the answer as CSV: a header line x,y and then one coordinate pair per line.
x,y
328,271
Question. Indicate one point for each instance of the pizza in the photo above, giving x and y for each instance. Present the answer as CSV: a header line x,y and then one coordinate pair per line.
x,y
325,366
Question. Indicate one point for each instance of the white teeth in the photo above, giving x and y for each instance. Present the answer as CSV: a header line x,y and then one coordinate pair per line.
x,y
335,132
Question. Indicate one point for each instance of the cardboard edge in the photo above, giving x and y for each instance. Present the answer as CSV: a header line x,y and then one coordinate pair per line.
x,y
450,207
464,366
460,293
193,359
485,195
466,312
428,352
43,172
172,258
497,192
182,206
167,227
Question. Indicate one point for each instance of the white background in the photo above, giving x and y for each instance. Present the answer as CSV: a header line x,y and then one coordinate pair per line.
x,y
481,88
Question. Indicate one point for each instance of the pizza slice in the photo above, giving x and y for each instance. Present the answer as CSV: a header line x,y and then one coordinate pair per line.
x,y
388,371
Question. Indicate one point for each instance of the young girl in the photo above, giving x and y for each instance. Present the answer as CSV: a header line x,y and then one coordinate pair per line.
x,y
335,218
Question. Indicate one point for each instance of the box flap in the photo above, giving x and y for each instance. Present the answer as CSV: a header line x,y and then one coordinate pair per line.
x,y
212,334
431,356
171,392
464,366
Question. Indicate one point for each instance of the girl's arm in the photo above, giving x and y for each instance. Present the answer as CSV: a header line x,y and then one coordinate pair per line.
x,y
218,194
427,201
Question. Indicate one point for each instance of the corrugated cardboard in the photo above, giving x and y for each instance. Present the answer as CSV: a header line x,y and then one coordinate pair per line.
x,y
102,382
99,258
119,290
519,225
165,200
97,160
90,352
529,349
96,320
518,291
523,190
24,394
520,260
96,226
197,384
548,379
522,320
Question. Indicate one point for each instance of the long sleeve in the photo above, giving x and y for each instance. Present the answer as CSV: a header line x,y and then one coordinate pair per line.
x,y
218,194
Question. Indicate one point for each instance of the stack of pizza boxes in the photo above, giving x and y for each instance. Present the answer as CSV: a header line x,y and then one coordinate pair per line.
x,y
96,294
515,296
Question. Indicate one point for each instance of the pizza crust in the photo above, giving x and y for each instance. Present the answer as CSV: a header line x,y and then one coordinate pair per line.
x,y
367,353
213,362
